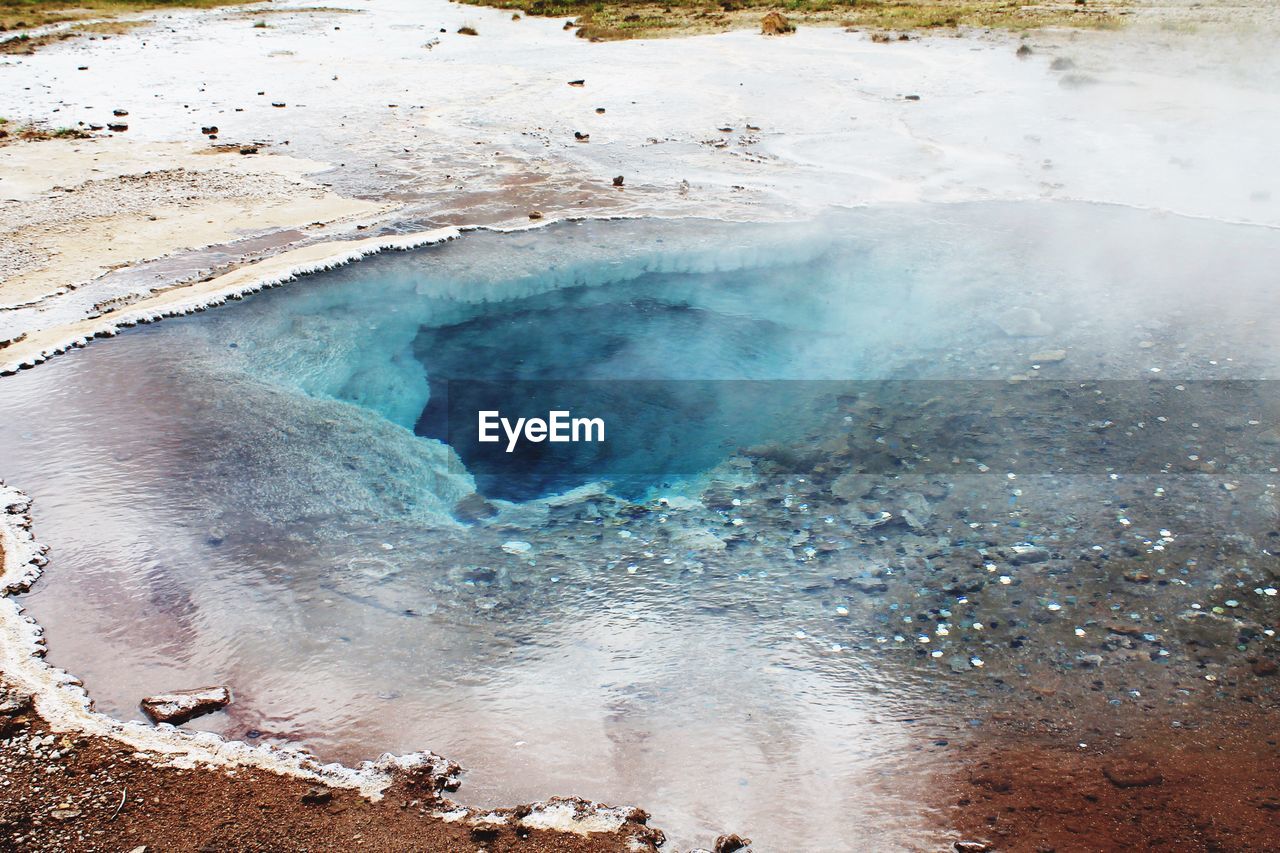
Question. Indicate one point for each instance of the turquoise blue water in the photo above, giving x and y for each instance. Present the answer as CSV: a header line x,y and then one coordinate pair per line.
x,y
834,448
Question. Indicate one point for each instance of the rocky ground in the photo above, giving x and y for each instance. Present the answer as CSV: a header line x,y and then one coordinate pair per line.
x,y
63,791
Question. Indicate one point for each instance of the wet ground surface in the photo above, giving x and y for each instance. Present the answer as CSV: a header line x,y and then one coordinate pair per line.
x,y
1047,516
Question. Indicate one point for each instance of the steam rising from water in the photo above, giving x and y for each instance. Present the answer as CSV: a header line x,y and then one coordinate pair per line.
x,y
239,497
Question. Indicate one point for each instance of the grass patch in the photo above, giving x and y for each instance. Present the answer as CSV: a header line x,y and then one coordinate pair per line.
x,y
25,14
622,19
24,43
37,132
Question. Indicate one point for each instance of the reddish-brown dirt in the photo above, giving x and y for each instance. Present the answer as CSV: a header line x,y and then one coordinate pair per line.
x,y
1205,781
74,793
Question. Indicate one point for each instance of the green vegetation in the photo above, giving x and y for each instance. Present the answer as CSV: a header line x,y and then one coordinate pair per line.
x,y
37,132
26,43
24,14
621,19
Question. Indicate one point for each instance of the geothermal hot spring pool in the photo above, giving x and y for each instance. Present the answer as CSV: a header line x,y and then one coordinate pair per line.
x,y
862,481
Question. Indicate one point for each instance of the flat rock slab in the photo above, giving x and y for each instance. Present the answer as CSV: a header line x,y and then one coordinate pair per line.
x,y
178,707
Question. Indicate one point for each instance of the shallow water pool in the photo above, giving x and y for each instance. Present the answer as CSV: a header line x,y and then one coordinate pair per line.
x,y
834,449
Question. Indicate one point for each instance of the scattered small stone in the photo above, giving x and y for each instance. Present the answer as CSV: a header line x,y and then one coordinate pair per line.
x,y
1024,50
731,843
248,149
581,137
1052,356
13,703
210,130
911,97
578,83
467,30
119,113
1026,553
535,214
279,104
1264,667
117,127
618,181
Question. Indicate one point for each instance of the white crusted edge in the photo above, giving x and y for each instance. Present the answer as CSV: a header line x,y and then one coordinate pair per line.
x,y
40,345
64,704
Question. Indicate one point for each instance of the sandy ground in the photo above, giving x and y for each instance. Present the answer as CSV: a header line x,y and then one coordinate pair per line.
x,y
75,209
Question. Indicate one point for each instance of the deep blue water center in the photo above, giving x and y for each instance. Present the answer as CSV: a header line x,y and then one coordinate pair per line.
x,y
690,340
605,353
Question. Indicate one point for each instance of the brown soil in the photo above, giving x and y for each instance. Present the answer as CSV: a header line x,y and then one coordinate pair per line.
x,y
1203,783
78,793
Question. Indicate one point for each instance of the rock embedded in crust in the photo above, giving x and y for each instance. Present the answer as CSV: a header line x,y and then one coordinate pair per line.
x,y
178,707
14,705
